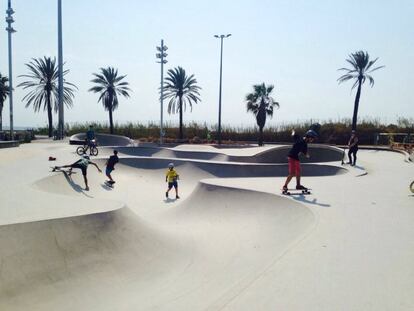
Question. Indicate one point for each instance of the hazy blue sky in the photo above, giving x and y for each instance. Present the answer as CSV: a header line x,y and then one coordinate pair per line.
x,y
296,45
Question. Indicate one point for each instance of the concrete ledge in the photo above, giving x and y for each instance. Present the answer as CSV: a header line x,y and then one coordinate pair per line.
x,y
9,144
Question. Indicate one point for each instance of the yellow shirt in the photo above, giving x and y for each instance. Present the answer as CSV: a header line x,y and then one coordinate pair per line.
x,y
171,175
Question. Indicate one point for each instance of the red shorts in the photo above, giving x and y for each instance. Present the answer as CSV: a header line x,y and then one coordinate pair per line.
x,y
294,166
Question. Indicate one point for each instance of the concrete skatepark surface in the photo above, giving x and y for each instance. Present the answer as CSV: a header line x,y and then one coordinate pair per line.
x,y
232,242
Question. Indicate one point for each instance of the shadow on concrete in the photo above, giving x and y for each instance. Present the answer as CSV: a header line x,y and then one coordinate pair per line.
x,y
106,187
302,198
169,200
74,185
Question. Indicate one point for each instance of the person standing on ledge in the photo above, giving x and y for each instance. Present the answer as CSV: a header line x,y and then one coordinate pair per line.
x,y
300,146
353,148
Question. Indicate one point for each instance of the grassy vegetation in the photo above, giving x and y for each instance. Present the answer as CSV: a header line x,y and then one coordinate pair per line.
x,y
332,132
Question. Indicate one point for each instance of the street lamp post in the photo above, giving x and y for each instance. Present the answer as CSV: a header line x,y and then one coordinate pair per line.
x,y
221,37
161,56
10,30
61,123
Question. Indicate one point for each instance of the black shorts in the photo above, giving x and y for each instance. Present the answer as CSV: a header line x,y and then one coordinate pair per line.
x,y
83,168
173,184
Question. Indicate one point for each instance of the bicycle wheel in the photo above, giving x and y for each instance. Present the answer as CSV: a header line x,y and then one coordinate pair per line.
x,y
80,150
412,187
94,151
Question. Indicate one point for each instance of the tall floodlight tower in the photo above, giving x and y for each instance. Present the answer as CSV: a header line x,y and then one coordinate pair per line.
x,y
10,30
161,55
61,126
221,37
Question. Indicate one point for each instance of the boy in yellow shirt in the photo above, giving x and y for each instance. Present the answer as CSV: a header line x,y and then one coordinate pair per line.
x,y
171,177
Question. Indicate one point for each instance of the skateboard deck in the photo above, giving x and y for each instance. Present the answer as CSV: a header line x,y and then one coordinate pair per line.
x,y
109,183
54,169
296,191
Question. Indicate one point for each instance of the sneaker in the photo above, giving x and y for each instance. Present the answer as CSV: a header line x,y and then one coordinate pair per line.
x,y
166,195
300,187
285,188
87,189
177,197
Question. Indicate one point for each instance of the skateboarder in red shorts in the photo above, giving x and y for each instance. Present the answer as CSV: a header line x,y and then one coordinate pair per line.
x,y
300,146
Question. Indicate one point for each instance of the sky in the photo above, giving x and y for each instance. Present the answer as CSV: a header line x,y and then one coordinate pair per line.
x,y
296,45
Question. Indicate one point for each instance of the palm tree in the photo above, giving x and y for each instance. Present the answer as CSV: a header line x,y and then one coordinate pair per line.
x,y
261,104
43,85
361,67
4,92
181,90
109,86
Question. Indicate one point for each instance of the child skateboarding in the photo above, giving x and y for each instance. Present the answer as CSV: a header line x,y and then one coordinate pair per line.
x,y
300,146
171,177
110,166
81,164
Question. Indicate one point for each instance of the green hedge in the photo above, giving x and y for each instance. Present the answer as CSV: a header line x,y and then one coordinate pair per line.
x,y
331,132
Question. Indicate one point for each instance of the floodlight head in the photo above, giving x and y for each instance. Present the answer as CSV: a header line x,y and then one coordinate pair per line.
x,y
165,47
159,48
158,55
228,35
216,36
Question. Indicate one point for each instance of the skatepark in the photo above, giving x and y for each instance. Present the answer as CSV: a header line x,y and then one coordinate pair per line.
x,y
231,242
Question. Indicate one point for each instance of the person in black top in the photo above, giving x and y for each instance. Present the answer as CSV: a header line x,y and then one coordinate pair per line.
x,y
300,146
82,164
110,166
353,148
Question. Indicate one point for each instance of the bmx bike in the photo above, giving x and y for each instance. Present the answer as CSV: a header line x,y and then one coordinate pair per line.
x,y
412,186
81,150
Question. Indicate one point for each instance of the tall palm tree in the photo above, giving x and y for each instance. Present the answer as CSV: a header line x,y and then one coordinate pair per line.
x,y
181,90
109,86
261,104
361,67
43,85
4,92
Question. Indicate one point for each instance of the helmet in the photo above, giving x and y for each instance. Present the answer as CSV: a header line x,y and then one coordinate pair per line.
x,y
170,165
86,157
315,127
311,134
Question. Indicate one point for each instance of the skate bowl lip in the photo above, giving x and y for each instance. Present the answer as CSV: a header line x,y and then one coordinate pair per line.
x,y
308,169
271,155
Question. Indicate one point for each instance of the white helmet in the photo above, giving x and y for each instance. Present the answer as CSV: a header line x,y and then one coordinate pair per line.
x,y
170,165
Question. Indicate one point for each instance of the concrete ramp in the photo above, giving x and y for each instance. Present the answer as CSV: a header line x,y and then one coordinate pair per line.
x,y
319,153
201,252
102,139
276,154
231,169
67,264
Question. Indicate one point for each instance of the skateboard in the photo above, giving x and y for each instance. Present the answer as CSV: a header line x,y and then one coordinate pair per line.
x,y
296,191
57,169
109,183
